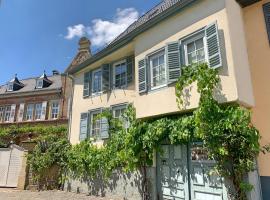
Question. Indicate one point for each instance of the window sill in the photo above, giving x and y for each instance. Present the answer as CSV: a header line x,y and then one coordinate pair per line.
x,y
157,88
96,94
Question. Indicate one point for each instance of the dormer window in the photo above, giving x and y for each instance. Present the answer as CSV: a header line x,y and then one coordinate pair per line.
x,y
10,87
39,83
14,84
43,81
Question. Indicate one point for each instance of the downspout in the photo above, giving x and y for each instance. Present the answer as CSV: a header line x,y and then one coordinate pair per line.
x,y
70,105
64,95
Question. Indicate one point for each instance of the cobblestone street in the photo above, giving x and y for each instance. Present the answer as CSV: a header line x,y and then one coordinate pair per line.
x,y
13,194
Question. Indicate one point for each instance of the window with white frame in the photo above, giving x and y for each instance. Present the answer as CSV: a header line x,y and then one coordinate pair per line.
x,y
39,83
158,70
120,74
29,112
95,124
2,112
10,87
7,113
195,49
54,109
96,81
38,111
118,111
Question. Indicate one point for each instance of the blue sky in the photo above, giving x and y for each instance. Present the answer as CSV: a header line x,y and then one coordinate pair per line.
x,y
37,35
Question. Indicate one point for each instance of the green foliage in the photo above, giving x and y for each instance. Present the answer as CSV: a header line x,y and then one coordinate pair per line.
x,y
13,132
128,148
50,150
226,129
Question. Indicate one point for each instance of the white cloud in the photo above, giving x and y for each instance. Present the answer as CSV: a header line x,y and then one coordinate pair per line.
x,y
102,32
75,31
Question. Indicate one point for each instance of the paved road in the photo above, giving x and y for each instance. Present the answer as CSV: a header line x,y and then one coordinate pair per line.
x,y
12,194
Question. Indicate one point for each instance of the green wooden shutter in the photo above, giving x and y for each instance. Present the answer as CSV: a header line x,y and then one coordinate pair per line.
x,y
266,11
142,76
130,63
104,128
83,126
212,43
87,84
173,61
105,77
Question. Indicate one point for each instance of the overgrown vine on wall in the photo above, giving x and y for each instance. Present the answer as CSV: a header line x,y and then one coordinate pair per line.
x,y
225,129
51,147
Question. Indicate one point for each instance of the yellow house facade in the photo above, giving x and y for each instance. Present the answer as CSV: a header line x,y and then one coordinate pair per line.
x,y
257,29
142,64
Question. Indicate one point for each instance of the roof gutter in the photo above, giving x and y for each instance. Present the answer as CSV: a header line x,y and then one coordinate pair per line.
x,y
130,36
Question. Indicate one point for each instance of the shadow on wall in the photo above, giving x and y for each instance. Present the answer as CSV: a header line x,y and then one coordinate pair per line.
x,y
120,184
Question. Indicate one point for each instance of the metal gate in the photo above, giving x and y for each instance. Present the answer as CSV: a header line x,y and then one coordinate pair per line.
x,y
10,165
184,174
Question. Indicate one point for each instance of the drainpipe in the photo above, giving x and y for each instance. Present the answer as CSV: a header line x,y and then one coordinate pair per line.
x,y
64,95
70,105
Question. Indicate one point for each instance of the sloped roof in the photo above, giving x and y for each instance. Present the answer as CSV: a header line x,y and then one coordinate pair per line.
x,y
30,86
159,12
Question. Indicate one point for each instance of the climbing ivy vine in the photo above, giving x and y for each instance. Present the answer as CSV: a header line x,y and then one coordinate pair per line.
x,y
225,130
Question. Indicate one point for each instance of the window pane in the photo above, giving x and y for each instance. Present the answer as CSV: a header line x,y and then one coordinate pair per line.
x,y
192,58
158,70
54,110
190,47
199,43
195,51
29,111
97,81
7,113
161,60
95,125
201,55
120,75
155,62
38,111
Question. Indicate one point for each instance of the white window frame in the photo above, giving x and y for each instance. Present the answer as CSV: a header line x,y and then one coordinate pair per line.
x,y
151,57
92,82
38,82
52,108
118,107
40,111
94,112
7,112
192,39
26,112
114,73
9,87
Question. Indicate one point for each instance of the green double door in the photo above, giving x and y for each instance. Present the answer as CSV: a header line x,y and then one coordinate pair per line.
x,y
184,173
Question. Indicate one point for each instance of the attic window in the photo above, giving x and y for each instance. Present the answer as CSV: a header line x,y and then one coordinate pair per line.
x,y
39,84
10,87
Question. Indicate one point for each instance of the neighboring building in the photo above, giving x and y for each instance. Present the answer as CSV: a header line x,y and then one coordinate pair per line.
x,y
40,100
36,101
257,30
141,66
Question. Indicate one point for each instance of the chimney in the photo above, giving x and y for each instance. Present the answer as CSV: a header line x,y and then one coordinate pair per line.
x,y
55,72
85,45
84,53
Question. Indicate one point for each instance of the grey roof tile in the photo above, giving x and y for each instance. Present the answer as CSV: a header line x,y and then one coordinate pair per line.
x,y
30,85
